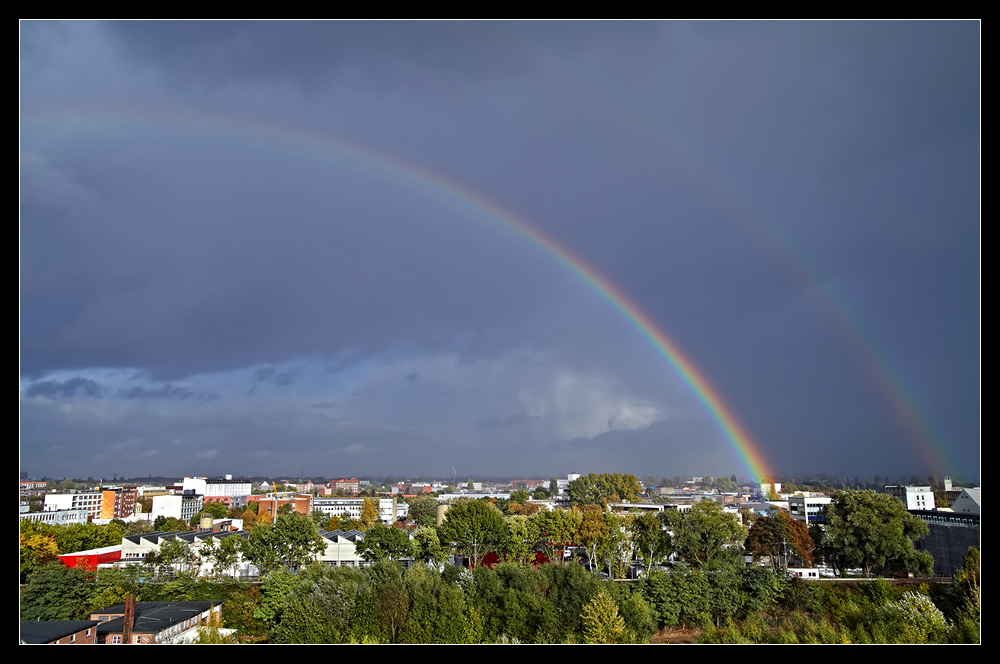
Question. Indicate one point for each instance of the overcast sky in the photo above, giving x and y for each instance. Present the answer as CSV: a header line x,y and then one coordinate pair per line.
x,y
340,248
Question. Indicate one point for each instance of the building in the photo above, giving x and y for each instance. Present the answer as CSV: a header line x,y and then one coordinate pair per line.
x,y
92,501
135,549
57,517
968,501
154,622
232,493
914,497
183,507
91,558
806,507
338,506
949,536
118,502
59,632
347,487
341,548
273,502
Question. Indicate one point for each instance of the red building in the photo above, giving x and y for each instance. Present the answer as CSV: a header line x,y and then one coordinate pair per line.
x,y
91,558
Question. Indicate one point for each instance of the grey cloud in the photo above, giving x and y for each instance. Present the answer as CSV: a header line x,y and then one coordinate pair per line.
x,y
796,204
68,389
166,391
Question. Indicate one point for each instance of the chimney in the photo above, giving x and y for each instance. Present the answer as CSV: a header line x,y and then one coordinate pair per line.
x,y
128,619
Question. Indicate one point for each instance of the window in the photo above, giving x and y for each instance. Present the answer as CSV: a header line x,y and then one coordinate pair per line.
x,y
117,638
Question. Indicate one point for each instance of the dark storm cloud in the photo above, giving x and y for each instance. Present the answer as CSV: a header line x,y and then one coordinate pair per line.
x,y
796,203
68,389
381,55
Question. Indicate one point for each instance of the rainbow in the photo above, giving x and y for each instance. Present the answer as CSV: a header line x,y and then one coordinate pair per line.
x,y
724,417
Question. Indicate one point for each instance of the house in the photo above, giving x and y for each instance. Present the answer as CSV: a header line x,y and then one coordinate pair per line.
x,y
59,632
153,622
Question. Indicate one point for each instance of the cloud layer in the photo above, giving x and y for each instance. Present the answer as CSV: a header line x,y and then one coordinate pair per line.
x,y
276,247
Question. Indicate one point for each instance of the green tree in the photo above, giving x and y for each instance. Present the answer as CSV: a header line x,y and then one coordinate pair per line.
x,y
55,592
216,509
556,530
291,542
520,540
705,534
874,531
475,526
224,553
320,518
601,622
380,542
519,496
423,510
603,488
177,556
427,546
651,538
593,531
726,485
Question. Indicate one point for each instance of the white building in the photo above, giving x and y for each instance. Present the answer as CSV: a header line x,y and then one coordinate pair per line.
x,y
338,506
968,502
235,490
806,508
76,500
914,497
57,517
178,507
135,548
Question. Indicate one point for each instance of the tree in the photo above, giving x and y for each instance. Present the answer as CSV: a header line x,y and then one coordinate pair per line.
x,y
291,542
475,526
775,537
176,555
704,535
553,487
519,496
55,592
593,531
601,622
427,546
652,540
380,542
423,510
557,530
873,531
470,485
369,514
216,509
224,553
726,485
599,489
